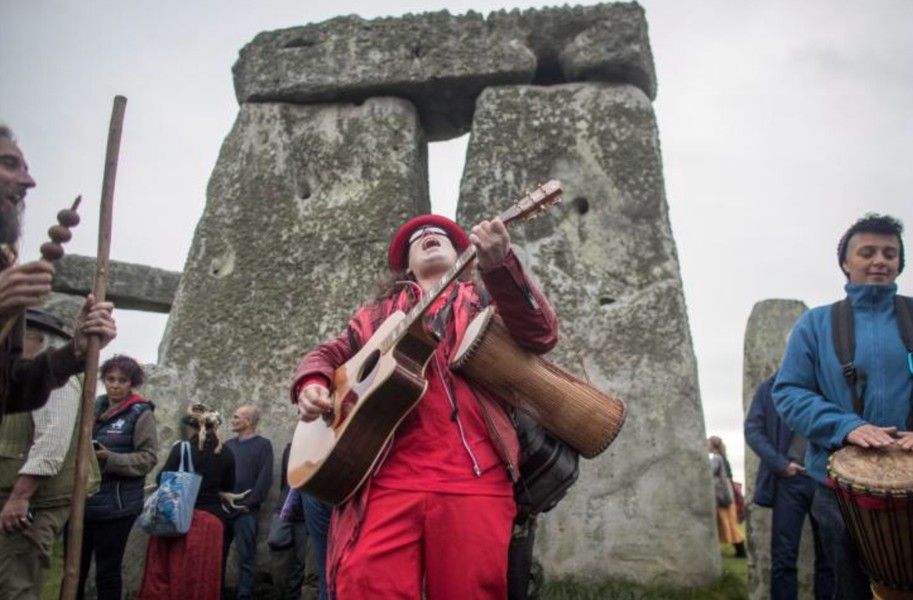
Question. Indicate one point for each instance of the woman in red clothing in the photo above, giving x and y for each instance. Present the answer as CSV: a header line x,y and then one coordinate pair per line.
x,y
189,567
435,518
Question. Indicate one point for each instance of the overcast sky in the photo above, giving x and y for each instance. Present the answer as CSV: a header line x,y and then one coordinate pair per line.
x,y
781,122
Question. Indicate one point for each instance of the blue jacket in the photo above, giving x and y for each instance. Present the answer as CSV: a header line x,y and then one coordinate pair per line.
x,y
811,393
767,434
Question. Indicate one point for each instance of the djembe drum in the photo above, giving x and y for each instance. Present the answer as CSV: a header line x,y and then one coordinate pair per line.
x,y
575,411
874,488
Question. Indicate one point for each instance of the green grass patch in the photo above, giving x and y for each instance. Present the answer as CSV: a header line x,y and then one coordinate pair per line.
x,y
729,587
733,585
53,577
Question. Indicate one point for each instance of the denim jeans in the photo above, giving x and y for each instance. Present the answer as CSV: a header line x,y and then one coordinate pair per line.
x,y
242,529
303,573
850,581
317,516
793,499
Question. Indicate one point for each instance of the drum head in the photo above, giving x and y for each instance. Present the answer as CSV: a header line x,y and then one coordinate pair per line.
x,y
889,470
475,331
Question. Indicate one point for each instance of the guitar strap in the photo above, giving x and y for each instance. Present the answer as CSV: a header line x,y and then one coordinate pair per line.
x,y
438,325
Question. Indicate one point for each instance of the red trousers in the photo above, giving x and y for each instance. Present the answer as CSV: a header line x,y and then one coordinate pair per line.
x,y
456,545
187,567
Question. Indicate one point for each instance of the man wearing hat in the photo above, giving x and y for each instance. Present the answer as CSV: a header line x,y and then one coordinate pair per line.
x,y
812,394
37,470
435,517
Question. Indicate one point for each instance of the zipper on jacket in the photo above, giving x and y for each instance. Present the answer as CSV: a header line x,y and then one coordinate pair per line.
x,y
497,440
456,418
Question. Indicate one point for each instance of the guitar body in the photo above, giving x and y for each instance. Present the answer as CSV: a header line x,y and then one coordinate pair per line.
x,y
373,393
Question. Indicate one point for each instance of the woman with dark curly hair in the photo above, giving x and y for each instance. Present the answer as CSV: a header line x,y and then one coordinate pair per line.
x,y
126,443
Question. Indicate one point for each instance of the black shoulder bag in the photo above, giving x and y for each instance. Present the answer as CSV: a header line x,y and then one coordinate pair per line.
x,y
548,468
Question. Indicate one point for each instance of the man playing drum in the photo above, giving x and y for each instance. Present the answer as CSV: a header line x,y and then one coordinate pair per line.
x,y
814,398
434,518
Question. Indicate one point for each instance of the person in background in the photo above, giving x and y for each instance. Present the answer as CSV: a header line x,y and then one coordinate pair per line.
x,y
37,470
190,566
317,516
253,477
784,486
288,531
727,521
126,443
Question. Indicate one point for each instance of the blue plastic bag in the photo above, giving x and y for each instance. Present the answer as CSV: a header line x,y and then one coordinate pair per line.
x,y
168,511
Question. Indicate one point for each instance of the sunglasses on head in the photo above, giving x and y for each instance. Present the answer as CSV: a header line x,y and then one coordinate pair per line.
x,y
421,232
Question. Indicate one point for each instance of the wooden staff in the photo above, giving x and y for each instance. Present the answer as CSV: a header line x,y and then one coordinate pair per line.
x,y
78,501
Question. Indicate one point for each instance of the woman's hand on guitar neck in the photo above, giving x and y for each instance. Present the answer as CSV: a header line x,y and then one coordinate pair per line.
x,y
313,401
492,243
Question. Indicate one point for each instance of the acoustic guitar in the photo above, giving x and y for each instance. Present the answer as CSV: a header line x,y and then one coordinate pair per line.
x,y
375,389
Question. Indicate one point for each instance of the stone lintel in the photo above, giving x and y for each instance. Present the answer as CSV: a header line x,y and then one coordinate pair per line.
x,y
441,62
130,286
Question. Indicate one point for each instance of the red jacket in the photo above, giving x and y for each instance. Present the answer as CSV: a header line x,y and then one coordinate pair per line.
x,y
520,305
522,308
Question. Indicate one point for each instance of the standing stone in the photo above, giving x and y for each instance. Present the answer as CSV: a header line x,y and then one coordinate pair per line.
x,y
606,258
298,215
65,307
305,196
765,338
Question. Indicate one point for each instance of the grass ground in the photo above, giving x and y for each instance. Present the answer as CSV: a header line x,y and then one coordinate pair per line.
x,y
54,577
733,585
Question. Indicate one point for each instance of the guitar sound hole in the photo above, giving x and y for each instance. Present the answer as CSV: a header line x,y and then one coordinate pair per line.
x,y
368,367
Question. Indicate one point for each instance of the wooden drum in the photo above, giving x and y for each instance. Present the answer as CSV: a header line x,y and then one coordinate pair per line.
x,y
875,490
584,417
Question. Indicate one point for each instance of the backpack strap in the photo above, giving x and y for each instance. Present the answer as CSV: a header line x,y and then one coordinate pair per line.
x,y
844,334
903,308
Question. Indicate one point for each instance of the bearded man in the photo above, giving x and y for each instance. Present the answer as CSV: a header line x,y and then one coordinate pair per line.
x,y
25,384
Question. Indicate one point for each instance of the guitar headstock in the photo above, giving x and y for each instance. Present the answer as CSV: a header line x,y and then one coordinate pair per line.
x,y
534,203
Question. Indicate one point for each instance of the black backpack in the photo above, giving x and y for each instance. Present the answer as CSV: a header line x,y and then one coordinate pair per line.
x,y
844,334
548,468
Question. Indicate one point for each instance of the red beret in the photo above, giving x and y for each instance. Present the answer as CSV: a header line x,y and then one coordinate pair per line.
x,y
397,255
